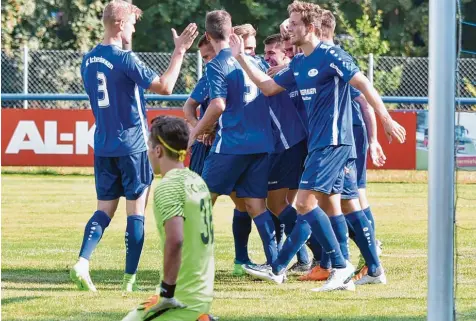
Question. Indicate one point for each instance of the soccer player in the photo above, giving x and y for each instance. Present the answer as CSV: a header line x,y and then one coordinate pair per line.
x,y
183,214
322,74
239,157
362,117
114,80
199,97
290,151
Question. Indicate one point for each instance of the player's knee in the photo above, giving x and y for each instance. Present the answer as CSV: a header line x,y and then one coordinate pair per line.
x,y
276,206
364,203
303,207
349,206
255,207
108,207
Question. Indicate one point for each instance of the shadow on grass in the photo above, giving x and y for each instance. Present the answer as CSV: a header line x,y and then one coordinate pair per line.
x,y
108,277
19,299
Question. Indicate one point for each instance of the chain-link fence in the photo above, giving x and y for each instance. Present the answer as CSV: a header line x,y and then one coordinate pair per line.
x,y
52,71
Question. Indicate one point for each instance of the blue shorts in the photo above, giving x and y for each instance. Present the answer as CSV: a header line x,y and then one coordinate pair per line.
x,y
247,175
285,168
120,176
325,169
350,190
361,147
200,151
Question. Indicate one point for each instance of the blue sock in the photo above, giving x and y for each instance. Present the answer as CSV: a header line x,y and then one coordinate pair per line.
x,y
295,240
325,262
365,240
370,217
264,224
339,225
279,228
315,246
322,228
350,228
288,217
134,239
93,233
241,232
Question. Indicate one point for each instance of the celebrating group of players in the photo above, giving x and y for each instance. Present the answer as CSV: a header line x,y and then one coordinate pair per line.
x,y
294,128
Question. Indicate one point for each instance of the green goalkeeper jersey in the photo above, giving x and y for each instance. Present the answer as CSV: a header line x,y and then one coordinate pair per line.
x,y
182,192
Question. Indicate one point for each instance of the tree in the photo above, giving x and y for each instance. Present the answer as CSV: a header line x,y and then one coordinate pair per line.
x,y
364,39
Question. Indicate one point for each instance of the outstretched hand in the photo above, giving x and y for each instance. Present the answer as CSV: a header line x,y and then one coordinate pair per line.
x,y
186,38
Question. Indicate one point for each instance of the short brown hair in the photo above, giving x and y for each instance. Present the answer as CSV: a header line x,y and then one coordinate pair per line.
x,y
118,10
328,22
244,30
218,24
276,38
311,13
203,41
171,130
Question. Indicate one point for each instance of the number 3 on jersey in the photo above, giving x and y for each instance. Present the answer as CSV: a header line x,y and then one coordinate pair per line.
x,y
102,88
251,89
206,212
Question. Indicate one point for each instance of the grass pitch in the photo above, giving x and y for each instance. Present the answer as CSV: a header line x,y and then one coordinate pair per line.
x,y
43,218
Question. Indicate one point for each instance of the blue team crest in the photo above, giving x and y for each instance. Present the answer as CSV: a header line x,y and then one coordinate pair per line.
x,y
313,72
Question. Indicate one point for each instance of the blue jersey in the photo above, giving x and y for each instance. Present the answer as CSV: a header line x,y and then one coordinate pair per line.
x,y
289,128
322,79
115,80
296,97
245,125
201,94
357,119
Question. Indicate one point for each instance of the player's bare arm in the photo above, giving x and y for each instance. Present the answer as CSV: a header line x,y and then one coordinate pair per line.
x,y
173,249
165,84
264,82
368,113
208,121
190,111
391,127
272,71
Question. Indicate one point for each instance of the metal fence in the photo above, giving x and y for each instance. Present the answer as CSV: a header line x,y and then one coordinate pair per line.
x,y
52,71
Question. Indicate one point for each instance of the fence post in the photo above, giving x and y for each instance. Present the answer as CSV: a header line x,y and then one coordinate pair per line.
x,y
370,73
199,66
25,73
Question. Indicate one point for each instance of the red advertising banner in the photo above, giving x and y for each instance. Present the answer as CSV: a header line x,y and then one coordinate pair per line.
x,y
52,137
399,156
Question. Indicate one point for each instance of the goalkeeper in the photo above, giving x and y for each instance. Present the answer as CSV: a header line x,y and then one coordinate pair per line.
x,y
183,214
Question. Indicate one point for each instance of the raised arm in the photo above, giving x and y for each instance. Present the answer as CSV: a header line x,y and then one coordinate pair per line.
x,y
165,84
264,82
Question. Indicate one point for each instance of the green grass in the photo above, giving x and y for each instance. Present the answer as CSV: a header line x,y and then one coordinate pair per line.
x,y
43,219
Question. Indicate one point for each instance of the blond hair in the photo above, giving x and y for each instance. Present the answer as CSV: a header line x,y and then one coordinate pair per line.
x,y
119,10
244,30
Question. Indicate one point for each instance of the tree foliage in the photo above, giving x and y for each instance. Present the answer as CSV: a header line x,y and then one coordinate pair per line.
x,y
76,24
